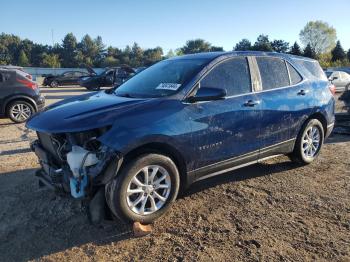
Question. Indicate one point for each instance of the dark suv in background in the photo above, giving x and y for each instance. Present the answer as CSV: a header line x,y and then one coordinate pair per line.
x,y
111,77
19,96
179,121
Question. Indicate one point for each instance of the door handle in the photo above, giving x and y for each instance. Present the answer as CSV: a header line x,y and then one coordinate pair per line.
x,y
302,93
251,103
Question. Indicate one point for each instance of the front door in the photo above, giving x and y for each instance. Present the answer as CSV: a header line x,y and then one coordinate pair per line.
x,y
225,132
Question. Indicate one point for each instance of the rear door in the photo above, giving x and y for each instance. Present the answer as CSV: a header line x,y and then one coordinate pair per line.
x,y
283,99
226,132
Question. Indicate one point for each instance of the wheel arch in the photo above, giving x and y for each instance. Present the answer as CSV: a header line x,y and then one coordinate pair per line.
x,y
163,149
319,116
19,98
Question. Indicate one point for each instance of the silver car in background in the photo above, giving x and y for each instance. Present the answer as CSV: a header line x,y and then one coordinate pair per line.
x,y
340,79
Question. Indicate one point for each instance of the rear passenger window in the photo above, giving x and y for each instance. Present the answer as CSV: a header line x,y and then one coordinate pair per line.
x,y
273,72
295,77
232,75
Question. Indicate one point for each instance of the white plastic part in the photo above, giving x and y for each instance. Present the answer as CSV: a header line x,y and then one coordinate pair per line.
x,y
76,157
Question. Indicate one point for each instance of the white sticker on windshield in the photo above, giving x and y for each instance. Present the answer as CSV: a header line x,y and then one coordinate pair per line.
x,y
168,86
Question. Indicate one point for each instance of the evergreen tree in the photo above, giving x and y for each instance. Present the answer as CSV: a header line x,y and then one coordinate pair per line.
x,y
309,52
338,53
243,45
280,46
69,51
262,43
296,50
348,55
23,59
195,46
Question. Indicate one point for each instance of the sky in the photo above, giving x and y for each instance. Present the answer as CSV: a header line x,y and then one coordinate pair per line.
x,y
169,23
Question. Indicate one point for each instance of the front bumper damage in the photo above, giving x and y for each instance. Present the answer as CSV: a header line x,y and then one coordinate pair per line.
x,y
63,176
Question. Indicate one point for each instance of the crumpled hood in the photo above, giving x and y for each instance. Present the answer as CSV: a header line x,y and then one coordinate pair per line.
x,y
81,113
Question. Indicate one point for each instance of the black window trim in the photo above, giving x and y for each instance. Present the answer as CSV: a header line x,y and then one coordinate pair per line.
x,y
282,87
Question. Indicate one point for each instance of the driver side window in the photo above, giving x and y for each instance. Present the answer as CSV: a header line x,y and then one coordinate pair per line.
x,y
232,75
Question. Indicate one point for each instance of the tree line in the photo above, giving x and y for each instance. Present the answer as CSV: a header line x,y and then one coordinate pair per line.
x,y
319,39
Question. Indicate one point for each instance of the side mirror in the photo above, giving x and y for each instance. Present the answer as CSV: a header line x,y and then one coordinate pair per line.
x,y
208,94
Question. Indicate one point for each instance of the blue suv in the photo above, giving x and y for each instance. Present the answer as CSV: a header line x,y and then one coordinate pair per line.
x,y
179,121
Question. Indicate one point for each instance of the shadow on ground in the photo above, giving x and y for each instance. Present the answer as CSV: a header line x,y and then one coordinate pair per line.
x,y
36,222
42,223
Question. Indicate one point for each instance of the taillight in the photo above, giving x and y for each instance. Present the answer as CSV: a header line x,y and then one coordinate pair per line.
x,y
28,83
332,89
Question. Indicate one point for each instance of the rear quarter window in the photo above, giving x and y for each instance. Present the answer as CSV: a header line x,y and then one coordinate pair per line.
x,y
273,72
312,67
295,77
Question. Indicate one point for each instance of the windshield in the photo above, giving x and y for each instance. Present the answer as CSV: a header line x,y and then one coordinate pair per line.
x,y
162,79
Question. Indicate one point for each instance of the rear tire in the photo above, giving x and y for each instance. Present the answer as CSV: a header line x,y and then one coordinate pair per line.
x,y
20,111
54,84
133,197
309,142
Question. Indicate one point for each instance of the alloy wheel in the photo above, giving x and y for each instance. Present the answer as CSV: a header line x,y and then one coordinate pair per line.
x,y
311,142
148,190
20,112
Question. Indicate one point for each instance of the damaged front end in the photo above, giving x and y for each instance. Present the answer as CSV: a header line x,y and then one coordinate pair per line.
x,y
75,163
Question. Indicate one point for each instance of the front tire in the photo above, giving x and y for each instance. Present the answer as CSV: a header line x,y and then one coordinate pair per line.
x,y
309,142
20,111
145,189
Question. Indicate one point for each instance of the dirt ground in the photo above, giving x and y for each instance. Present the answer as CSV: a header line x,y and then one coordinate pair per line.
x,y
274,211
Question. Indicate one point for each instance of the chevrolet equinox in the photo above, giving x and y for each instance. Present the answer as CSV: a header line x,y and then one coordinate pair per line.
x,y
179,121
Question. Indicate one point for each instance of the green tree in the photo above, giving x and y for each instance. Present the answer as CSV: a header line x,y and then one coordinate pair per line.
x,y
309,52
136,55
100,51
10,45
319,35
296,50
109,61
69,51
195,46
170,53
262,43
37,52
23,59
50,60
152,55
348,55
338,53
91,51
243,45
216,49
280,46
